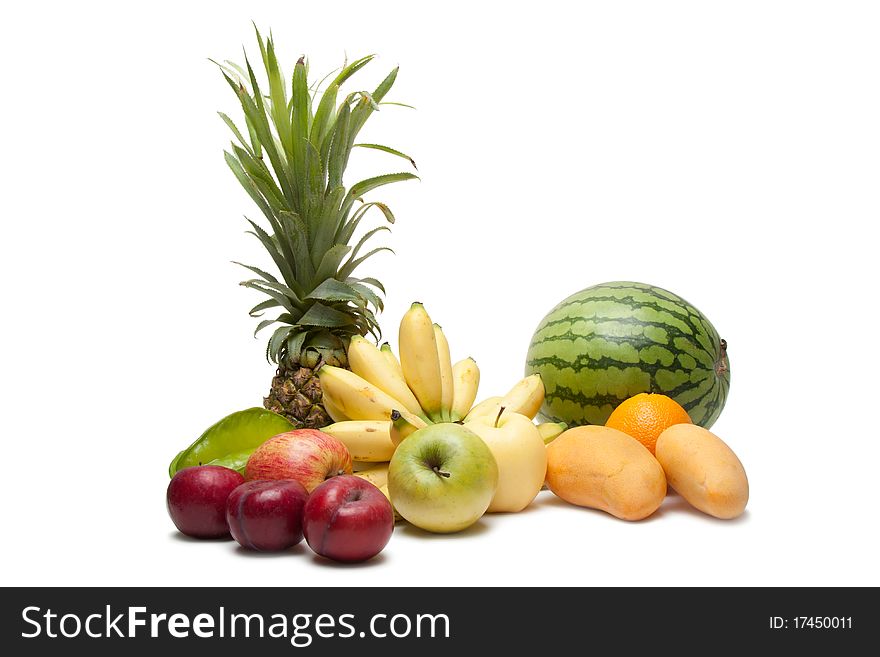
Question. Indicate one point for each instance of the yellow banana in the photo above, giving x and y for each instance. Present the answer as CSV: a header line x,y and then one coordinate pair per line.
x,y
354,397
484,408
551,430
366,440
465,381
403,425
388,353
333,411
525,397
358,466
372,366
377,475
419,360
397,516
446,385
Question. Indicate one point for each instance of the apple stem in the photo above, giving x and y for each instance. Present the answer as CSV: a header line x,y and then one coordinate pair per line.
x,y
436,469
498,417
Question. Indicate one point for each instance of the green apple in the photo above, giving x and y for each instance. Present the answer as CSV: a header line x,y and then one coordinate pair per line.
x,y
442,478
521,455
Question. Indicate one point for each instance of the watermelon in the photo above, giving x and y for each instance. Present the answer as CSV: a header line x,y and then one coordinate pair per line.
x,y
609,342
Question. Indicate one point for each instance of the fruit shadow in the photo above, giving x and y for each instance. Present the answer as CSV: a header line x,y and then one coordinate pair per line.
x,y
378,560
478,528
296,550
183,538
673,504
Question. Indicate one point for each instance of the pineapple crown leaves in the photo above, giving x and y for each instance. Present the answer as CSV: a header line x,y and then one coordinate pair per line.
x,y
291,158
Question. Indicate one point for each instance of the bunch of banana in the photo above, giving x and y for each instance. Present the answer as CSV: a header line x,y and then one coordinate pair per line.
x,y
382,400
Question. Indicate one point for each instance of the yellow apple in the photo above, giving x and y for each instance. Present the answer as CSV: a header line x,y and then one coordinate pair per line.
x,y
521,456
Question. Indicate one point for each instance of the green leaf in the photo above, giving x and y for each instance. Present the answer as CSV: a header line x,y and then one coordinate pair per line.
x,y
359,189
278,96
385,86
338,156
330,263
283,264
345,233
368,103
248,184
296,236
315,189
231,125
324,117
261,286
261,178
295,343
260,308
334,290
389,102
292,296
374,283
366,236
351,69
368,294
264,324
255,111
277,341
325,233
300,100
258,272
388,149
350,265
321,315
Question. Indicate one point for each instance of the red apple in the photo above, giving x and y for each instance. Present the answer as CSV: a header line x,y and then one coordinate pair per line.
x,y
307,455
348,519
196,499
267,515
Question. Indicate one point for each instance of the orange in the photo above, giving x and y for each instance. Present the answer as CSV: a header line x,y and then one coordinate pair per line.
x,y
646,416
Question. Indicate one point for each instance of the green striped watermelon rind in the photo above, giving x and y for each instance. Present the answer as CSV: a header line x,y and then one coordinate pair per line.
x,y
606,343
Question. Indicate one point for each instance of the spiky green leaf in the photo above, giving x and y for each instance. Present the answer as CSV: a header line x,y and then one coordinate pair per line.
x,y
334,290
325,316
388,149
350,265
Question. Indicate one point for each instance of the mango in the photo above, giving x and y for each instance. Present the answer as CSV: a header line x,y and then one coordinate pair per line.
x,y
603,468
703,470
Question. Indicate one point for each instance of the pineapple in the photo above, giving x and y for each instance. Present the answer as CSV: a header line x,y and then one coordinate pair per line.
x,y
291,158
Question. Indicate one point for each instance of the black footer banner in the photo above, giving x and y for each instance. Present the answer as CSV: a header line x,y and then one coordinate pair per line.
x,y
431,621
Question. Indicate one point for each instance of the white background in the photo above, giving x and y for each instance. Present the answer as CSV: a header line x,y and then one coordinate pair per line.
x,y
729,152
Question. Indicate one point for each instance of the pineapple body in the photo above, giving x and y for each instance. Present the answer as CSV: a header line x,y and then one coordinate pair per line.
x,y
296,394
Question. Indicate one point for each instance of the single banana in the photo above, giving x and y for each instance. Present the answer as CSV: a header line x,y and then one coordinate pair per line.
x,y
524,398
358,466
484,408
388,353
551,430
372,366
397,516
419,360
366,440
354,397
465,381
377,475
404,424
446,382
333,410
